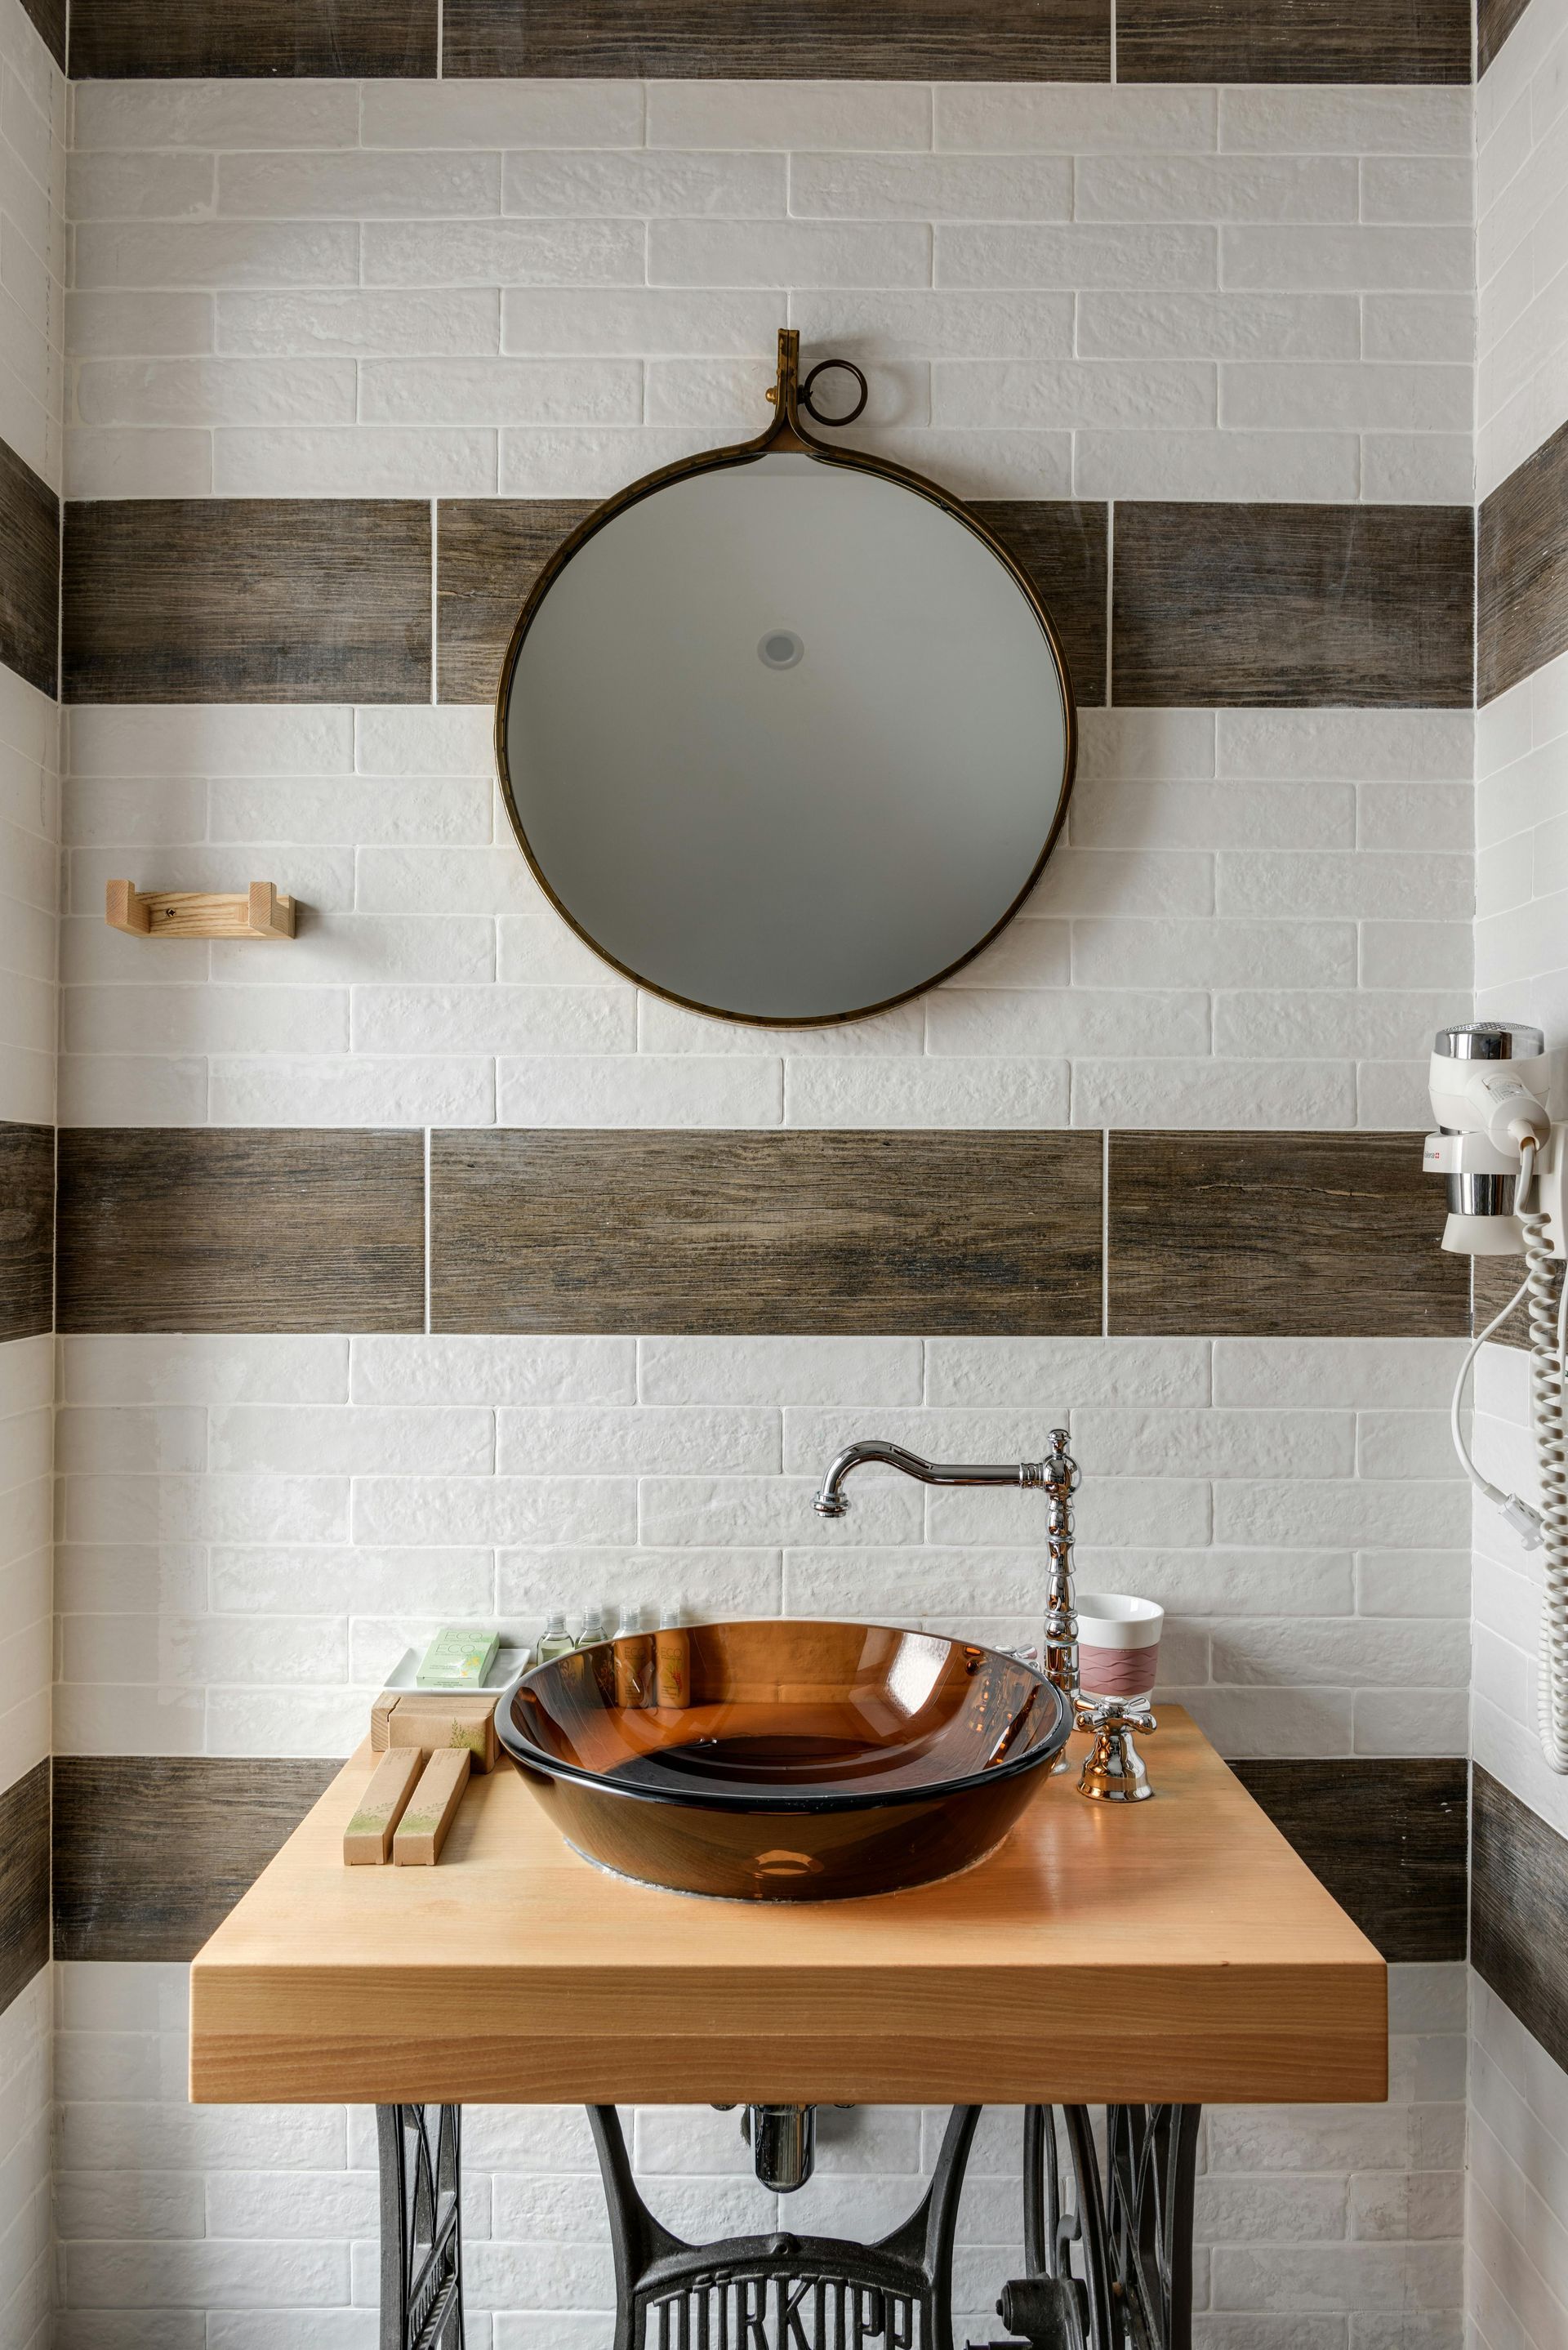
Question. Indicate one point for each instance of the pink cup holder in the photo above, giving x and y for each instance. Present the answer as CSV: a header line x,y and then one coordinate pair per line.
x,y
1118,1644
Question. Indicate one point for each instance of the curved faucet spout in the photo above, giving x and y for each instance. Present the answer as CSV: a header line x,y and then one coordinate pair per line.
x,y
833,1503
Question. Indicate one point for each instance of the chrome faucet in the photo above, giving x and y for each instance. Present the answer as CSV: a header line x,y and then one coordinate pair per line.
x,y
1056,1475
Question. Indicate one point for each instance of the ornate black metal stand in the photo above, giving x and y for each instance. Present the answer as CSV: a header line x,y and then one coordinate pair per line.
x,y
1129,2223
1131,2219
782,2291
421,2234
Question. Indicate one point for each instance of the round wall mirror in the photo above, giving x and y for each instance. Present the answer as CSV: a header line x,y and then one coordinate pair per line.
x,y
784,733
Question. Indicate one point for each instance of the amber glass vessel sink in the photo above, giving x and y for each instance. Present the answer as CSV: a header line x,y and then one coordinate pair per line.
x,y
794,1761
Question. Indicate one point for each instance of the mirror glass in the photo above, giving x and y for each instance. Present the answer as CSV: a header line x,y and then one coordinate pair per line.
x,y
786,740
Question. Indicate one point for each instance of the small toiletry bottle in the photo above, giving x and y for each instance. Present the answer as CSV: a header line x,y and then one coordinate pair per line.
x,y
556,1640
594,1628
672,1660
633,1659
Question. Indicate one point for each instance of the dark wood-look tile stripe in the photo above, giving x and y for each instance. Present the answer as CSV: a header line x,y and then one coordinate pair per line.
x,y
1267,606
1278,1235
874,40
1495,20
247,599
1519,1898
152,1852
1060,545
130,39
49,18
1521,570
26,1231
1386,1835
1294,40
23,1881
786,1231
29,574
489,553
200,1228
1494,1280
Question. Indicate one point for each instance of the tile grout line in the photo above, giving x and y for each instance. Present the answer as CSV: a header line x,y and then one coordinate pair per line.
x,y
1105,1233
427,1231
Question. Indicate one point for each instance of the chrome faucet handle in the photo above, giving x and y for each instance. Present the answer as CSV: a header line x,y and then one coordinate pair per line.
x,y
1112,1769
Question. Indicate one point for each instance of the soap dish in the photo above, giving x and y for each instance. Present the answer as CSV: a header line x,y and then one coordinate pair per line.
x,y
506,1665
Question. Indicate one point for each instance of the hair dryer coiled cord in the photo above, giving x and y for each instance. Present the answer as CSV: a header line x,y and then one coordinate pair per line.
x,y
1548,1307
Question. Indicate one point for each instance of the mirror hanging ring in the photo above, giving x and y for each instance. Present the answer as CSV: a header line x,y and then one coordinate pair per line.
x,y
785,731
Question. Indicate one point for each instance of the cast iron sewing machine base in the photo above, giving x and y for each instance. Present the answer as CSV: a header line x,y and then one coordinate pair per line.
x,y
1130,2219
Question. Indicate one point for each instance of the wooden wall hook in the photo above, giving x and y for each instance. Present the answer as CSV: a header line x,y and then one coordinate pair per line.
x,y
259,913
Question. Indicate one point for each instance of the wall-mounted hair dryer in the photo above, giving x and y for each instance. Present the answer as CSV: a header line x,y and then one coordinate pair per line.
x,y
1503,1154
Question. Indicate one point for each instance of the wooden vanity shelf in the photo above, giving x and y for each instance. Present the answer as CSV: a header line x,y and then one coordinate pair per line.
x,y
257,913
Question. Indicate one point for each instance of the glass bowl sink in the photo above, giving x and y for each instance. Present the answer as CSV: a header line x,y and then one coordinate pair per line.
x,y
792,1762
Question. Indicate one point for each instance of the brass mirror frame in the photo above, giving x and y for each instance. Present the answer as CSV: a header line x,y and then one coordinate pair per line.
x,y
786,432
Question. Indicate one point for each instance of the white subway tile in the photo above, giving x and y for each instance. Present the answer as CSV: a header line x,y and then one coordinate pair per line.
x,y
504,253
456,947
938,324
779,1370
854,116
1051,1021
426,1511
125,463
1415,954
557,185
1112,953
1254,1095
351,1089
589,462
1344,120
1415,887
651,1439
1110,394
1365,259
394,877
1418,468
209,739
1073,118
382,809
139,186
1413,1582
216,254
175,393
532,1585
1148,187
219,113
752,1513
500,113
127,1090
351,184
641,1090
1419,327
1117,1441
359,1440
1076,257
1303,1024
788,253
443,1020
946,1092
454,1584
204,1019
1422,1515
729,393
353,461
1279,395
1218,816
412,324
929,188
494,1370
1300,465
988,1371
426,391
1191,324
637,322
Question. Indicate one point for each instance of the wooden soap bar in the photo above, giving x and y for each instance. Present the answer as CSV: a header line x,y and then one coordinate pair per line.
x,y
368,1838
402,1718
432,1807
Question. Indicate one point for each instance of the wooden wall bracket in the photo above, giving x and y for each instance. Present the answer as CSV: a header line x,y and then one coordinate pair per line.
x,y
258,914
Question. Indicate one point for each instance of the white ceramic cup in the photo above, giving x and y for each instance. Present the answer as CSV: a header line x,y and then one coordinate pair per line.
x,y
1118,1644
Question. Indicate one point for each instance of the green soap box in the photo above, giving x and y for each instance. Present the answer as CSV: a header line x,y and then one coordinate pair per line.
x,y
458,1657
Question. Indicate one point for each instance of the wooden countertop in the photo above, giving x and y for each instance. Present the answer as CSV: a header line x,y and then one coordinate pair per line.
x,y
1170,1950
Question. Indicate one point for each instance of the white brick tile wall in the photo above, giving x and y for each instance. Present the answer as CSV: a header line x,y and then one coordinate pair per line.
x,y
1291,1503
1256,920
602,223
1521,388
